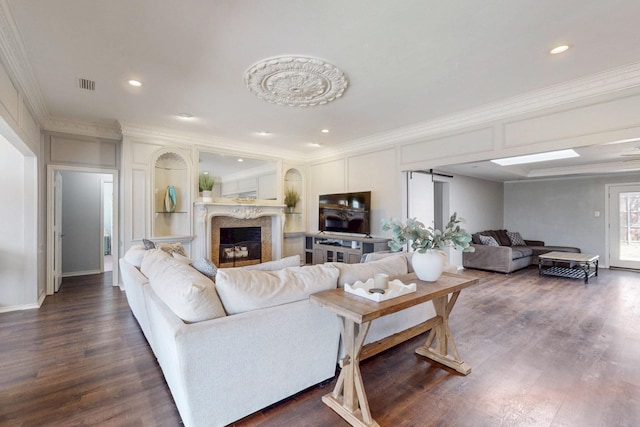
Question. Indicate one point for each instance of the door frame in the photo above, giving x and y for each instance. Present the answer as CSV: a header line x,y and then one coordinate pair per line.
x,y
51,170
608,216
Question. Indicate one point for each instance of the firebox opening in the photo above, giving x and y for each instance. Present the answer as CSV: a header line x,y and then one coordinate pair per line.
x,y
240,246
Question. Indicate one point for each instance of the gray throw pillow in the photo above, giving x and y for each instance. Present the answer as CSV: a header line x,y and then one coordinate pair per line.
x,y
516,239
205,267
488,241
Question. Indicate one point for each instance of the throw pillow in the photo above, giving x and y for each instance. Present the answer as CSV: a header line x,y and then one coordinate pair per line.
x,y
244,290
502,237
134,255
190,295
516,239
205,267
183,259
148,244
170,248
488,241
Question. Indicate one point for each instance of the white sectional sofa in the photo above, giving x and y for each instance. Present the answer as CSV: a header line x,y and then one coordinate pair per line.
x,y
252,338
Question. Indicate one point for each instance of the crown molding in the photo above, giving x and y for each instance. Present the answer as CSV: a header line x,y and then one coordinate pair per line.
x,y
133,130
78,127
18,66
580,89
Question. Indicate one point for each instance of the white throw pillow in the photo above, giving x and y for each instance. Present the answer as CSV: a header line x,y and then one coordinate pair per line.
x,y
183,259
244,290
190,295
395,265
135,254
279,264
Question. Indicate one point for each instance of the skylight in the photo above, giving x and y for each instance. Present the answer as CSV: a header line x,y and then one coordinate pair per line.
x,y
539,157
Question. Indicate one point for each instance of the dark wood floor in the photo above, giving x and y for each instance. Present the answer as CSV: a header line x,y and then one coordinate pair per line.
x,y
544,351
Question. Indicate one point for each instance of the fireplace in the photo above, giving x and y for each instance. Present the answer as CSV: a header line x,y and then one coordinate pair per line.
x,y
240,246
212,217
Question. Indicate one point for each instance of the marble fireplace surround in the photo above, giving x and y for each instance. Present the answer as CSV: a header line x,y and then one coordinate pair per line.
x,y
242,214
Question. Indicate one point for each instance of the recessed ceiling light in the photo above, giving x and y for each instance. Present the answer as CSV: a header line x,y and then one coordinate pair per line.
x,y
325,131
185,116
135,83
314,144
533,158
559,49
264,133
241,160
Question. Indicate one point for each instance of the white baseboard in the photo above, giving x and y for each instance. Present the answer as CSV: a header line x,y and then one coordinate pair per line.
x,y
81,273
19,307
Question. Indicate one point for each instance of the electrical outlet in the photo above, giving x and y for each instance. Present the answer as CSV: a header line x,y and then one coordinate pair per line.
x,y
596,214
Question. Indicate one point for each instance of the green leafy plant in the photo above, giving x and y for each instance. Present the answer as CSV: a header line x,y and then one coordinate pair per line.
x,y
422,238
291,197
206,182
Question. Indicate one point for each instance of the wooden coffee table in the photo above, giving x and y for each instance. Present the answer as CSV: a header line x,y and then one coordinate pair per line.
x,y
586,265
348,398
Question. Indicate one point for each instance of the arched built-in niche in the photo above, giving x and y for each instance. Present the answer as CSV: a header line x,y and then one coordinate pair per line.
x,y
295,220
171,169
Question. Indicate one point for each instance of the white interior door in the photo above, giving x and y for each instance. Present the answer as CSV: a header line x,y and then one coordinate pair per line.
x,y
624,226
57,231
420,198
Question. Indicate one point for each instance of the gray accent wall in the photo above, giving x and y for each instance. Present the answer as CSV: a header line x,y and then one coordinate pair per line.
x,y
81,226
562,211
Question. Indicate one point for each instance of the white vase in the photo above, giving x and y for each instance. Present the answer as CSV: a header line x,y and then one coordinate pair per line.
x,y
429,265
207,196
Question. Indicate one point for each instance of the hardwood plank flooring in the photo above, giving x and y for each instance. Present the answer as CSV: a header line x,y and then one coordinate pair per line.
x,y
544,352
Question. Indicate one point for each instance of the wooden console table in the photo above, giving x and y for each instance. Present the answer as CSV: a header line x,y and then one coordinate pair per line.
x,y
348,398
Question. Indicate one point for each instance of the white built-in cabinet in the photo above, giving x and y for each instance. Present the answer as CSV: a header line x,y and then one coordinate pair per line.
x,y
171,168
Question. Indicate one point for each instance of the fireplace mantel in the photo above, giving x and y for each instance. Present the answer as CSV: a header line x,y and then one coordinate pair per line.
x,y
201,246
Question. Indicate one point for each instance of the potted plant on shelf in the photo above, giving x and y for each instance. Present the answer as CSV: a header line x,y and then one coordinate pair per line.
x,y
427,243
205,185
291,198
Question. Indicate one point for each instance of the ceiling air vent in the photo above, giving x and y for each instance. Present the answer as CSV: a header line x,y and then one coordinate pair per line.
x,y
86,84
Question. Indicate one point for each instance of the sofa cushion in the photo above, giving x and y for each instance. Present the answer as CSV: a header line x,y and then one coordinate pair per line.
x,y
134,255
516,238
520,252
350,273
488,240
502,237
245,290
374,256
189,294
290,261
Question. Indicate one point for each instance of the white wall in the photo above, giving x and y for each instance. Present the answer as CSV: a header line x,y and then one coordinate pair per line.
x,y
377,172
562,211
22,281
15,290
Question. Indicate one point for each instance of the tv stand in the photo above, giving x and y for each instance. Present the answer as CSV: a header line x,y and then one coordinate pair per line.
x,y
328,247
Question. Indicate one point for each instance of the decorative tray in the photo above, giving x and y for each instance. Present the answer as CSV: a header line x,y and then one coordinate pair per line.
x,y
396,288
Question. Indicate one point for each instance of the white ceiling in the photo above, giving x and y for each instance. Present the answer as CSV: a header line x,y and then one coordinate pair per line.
x,y
407,62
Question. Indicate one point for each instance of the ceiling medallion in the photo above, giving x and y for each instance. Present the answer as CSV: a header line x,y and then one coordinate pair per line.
x,y
296,81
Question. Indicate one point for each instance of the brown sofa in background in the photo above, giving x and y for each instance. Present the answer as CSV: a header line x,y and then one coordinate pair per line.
x,y
506,258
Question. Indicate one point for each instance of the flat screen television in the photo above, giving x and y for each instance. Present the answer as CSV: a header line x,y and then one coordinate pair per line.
x,y
345,212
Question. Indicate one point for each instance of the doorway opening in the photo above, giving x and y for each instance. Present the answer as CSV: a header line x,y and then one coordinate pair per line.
x,y
82,229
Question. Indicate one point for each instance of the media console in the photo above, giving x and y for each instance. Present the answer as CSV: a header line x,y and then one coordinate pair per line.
x,y
328,247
